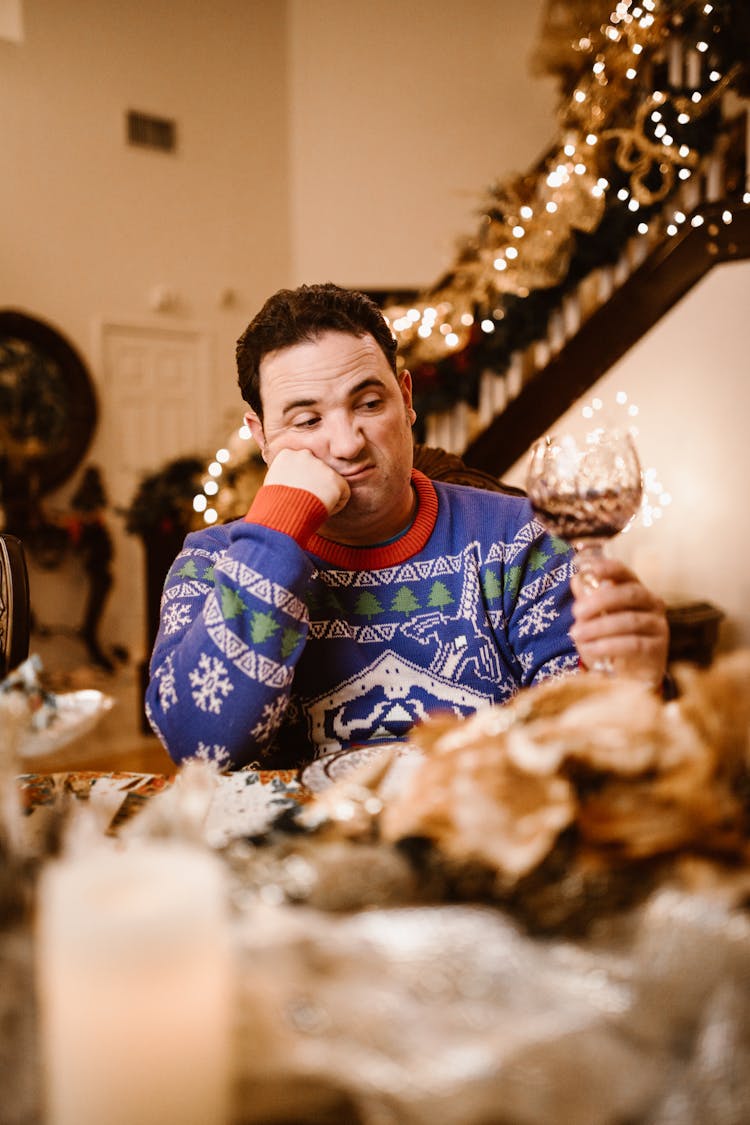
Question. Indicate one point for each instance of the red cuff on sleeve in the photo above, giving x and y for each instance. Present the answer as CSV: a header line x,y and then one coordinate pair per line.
x,y
294,511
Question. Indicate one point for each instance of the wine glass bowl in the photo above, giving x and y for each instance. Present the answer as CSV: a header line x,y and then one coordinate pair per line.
x,y
586,491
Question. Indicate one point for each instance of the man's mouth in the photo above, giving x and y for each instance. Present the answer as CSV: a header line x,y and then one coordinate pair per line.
x,y
356,474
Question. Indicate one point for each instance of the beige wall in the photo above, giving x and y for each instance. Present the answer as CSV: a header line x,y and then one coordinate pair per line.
x,y
401,115
91,226
689,379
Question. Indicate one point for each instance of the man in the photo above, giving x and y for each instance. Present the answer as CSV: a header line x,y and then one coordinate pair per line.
x,y
357,597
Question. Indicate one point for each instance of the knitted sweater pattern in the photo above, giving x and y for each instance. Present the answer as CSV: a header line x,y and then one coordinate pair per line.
x,y
272,652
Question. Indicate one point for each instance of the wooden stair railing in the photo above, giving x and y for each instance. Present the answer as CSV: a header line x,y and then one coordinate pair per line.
x,y
671,270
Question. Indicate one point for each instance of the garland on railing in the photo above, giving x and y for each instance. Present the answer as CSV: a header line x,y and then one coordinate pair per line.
x,y
639,115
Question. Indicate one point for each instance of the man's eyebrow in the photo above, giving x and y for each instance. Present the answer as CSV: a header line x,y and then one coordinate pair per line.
x,y
307,403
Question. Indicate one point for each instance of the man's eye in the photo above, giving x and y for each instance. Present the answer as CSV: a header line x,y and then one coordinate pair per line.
x,y
370,404
305,423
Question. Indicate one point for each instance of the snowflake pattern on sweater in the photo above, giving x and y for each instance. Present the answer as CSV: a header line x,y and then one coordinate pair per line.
x,y
273,654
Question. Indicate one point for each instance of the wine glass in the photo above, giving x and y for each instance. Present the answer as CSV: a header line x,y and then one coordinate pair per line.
x,y
585,492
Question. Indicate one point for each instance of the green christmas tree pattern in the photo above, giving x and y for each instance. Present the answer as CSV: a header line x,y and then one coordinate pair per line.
x,y
404,601
368,605
512,580
232,605
440,596
263,626
492,586
537,559
289,640
188,570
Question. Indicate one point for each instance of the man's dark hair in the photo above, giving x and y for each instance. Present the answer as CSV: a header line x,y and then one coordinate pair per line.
x,y
295,316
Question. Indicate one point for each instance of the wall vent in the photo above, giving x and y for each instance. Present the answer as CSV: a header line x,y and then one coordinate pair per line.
x,y
151,132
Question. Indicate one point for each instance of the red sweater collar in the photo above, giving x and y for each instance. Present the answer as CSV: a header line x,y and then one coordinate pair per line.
x,y
375,558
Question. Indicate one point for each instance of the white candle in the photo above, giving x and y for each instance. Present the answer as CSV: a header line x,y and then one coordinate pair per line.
x,y
134,987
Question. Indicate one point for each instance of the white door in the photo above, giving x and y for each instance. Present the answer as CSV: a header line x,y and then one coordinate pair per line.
x,y
154,408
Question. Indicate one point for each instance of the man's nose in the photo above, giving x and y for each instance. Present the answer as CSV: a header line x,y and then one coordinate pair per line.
x,y
345,438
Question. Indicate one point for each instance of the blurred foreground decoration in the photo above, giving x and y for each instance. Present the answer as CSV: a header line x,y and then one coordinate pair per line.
x,y
503,964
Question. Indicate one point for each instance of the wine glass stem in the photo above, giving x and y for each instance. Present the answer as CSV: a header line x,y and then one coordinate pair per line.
x,y
587,550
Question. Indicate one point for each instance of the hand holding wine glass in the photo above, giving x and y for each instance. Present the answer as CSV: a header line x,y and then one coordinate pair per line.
x,y
586,493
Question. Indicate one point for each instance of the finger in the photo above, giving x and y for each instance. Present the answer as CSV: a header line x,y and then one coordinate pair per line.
x,y
623,624
613,598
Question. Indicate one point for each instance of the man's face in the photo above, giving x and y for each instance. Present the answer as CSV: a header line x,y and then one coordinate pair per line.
x,y
338,397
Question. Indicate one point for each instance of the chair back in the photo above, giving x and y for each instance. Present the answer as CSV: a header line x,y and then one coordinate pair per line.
x,y
15,611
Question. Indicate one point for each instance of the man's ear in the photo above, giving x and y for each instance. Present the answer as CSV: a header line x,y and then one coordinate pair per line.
x,y
404,382
255,426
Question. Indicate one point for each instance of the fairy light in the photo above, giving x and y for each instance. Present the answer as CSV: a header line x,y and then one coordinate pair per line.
x,y
244,433
500,264
451,340
214,469
511,252
714,76
467,319
696,221
643,228
222,456
631,73
210,515
633,205
671,230
211,487
623,194
487,326
580,169
200,503
598,67
696,96
726,217
684,151
684,173
679,216
579,96
702,46
591,139
683,118
527,212
519,232
551,207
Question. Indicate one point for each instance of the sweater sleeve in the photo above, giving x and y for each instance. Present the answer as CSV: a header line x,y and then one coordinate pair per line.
x,y
538,602
233,626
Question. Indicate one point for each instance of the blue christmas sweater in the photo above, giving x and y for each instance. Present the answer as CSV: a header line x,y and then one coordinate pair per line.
x,y
276,645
